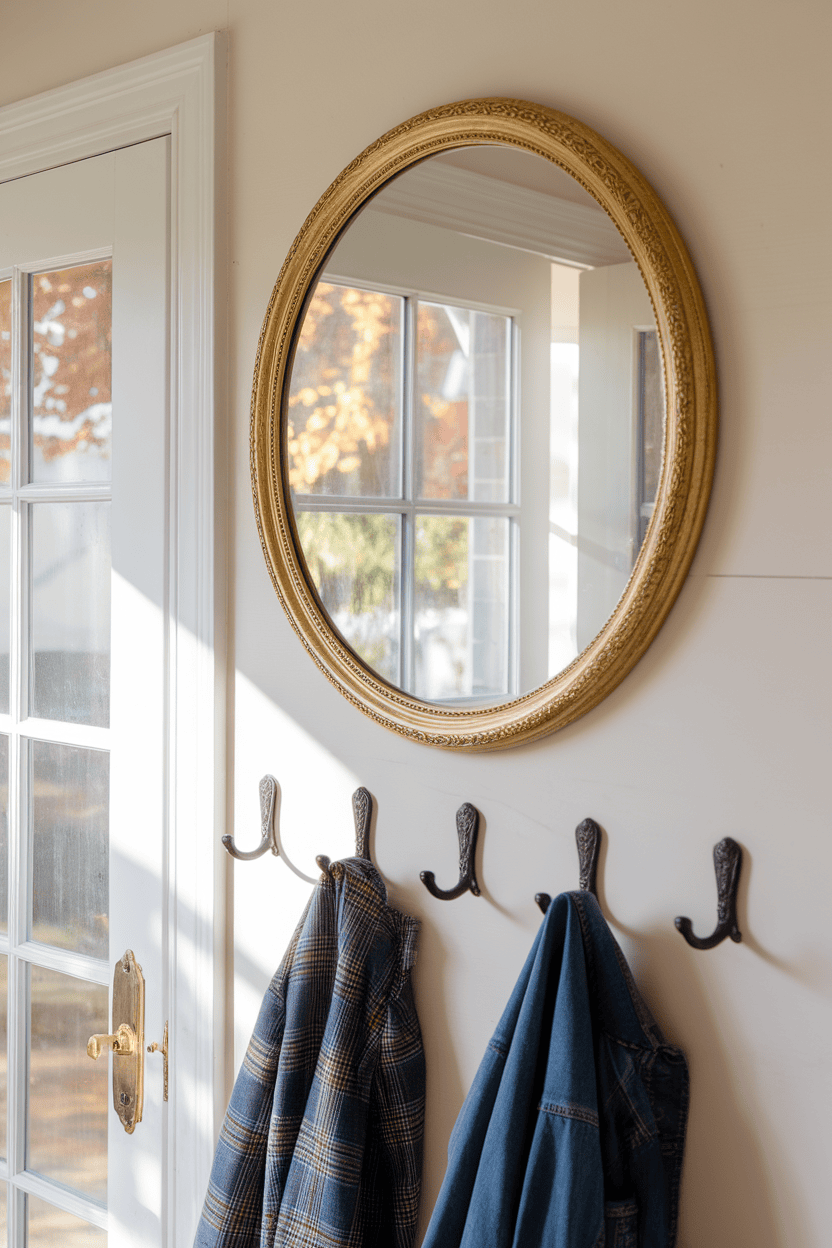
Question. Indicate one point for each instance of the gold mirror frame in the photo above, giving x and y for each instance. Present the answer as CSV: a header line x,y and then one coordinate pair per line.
x,y
690,421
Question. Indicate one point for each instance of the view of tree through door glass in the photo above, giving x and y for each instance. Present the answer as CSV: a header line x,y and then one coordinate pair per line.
x,y
55,564
400,433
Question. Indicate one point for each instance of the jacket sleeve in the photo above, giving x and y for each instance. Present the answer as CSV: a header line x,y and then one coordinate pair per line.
x,y
398,1123
233,1209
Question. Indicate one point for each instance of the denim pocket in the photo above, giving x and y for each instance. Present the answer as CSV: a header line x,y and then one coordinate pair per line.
x,y
620,1224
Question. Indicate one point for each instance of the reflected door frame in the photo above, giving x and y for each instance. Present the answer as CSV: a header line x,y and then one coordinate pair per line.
x,y
180,93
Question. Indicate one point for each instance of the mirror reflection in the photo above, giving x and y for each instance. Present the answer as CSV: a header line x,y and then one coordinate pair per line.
x,y
474,426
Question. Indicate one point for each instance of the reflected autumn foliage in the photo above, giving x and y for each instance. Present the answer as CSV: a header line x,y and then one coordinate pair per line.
x,y
344,404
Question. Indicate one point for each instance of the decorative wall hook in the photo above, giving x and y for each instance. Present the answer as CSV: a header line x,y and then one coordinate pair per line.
x,y
467,827
362,813
362,809
269,836
727,864
588,840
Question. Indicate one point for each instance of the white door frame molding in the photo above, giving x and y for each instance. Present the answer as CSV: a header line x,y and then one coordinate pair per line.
x,y
178,92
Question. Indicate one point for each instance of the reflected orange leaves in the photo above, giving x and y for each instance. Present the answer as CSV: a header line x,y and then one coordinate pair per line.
x,y
343,414
346,391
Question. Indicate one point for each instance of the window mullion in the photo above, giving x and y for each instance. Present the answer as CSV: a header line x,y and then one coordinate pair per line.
x,y
514,528
408,536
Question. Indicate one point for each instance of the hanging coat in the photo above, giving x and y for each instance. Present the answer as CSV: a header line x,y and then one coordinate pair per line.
x,y
573,1131
322,1142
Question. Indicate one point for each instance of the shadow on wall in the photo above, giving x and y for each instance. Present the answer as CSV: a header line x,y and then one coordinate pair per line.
x,y
446,1088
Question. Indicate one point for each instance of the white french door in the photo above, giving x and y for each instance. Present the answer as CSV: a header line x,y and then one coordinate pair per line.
x,y
84,775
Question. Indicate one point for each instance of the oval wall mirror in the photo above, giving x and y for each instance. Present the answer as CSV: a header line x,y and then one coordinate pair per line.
x,y
483,424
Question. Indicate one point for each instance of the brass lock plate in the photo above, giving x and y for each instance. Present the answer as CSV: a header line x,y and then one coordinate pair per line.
x,y
126,1041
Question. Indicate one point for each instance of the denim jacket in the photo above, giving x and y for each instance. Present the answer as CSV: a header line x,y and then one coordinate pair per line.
x,y
322,1142
573,1131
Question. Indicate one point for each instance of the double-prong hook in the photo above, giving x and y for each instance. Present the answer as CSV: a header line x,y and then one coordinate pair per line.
x,y
362,813
588,840
467,827
727,864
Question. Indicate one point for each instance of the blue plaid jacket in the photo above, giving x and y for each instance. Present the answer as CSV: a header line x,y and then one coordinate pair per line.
x,y
322,1142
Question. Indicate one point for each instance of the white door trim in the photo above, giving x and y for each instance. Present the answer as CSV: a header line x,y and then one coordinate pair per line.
x,y
179,92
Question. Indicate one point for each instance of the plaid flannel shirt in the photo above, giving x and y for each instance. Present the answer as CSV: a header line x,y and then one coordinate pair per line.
x,y
322,1142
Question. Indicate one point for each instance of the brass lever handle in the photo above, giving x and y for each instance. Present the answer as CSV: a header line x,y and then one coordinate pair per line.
x,y
123,1042
126,1041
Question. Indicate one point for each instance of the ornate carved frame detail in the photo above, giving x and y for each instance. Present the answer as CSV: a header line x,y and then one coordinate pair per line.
x,y
690,437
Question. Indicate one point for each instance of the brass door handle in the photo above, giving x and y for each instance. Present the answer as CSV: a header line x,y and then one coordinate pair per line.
x,y
126,1042
123,1043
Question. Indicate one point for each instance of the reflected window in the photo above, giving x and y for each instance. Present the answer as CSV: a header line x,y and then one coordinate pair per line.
x,y
400,437
650,434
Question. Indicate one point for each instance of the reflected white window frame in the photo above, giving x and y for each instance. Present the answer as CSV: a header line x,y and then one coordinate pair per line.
x,y
408,507
643,506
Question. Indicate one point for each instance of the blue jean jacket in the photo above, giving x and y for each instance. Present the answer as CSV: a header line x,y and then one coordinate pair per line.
x,y
573,1131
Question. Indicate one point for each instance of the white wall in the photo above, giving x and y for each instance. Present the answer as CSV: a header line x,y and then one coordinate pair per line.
x,y
723,728
614,304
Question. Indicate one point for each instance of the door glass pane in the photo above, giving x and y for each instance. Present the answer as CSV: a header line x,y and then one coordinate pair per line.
x,y
71,403
4,1070
49,1227
70,869
354,564
462,404
461,607
71,612
5,382
4,833
68,1093
345,399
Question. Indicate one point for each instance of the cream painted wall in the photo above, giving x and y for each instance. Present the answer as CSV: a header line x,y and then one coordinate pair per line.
x,y
724,726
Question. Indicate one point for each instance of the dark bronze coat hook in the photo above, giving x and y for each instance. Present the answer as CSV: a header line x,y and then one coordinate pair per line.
x,y
588,840
467,826
727,864
362,813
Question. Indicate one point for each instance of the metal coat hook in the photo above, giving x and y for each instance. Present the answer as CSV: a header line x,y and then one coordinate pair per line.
x,y
362,807
727,864
588,839
362,813
467,827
